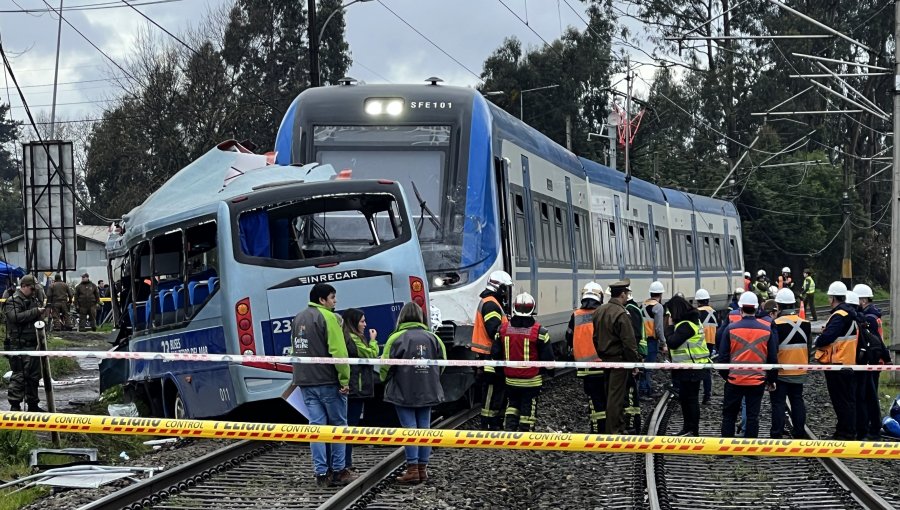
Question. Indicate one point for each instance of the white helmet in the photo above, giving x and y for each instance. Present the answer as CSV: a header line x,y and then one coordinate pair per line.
x,y
863,290
738,291
498,279
761,272
524,305
701,295
837,289
786,270
746,274
657,288
592,290
852,298
748,299
773,290
785,297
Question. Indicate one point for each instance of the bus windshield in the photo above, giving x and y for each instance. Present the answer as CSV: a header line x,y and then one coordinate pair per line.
x,y
321,228
418,157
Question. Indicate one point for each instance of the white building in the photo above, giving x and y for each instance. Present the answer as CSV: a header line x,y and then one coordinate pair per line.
x,y
90,244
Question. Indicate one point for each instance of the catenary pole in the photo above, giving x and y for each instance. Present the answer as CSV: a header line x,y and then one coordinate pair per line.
x,y
895,187
313,44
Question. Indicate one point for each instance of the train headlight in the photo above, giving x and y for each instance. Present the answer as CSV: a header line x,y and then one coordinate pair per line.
x,y
375,106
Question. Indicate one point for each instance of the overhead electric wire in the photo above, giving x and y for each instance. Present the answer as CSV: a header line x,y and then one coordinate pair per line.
x,y
83,7
37,133
795,254
157,25
442,50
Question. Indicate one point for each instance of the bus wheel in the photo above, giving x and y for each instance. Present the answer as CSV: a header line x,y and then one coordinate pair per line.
x,y
179,411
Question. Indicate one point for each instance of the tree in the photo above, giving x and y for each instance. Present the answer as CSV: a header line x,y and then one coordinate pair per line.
x,y
10,186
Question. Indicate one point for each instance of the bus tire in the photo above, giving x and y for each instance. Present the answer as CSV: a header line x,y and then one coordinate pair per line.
x,y
175,404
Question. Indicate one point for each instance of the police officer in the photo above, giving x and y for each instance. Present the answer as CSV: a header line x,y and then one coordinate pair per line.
x,y
654,317
615,341
580,338
22,310
59,299
809,293
522,339
793,348
837,346
868,423
710,326
747,341
87,298
488,318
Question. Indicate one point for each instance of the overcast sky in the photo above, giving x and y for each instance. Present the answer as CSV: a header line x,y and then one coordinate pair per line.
x,y
382,46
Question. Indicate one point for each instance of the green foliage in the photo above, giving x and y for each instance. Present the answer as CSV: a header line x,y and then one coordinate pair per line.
x,y
10,187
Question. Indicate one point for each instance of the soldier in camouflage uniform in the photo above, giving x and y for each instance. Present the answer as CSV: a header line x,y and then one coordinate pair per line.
x,y
22,311
59,300
87,298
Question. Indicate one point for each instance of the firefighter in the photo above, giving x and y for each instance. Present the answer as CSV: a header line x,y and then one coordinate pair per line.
x,y
837,346
488,319
522,339
87,299
59,300
580,339
654,320
22,310
747,341
869,428
710,326
809,293
615,341
793,348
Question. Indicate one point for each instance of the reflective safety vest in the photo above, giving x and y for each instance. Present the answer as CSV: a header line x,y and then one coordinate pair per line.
x,y
649,321
642,335
521,344
843,350
694,349
734,316
749,345
583,341
709,324
481,342
793,348
809,285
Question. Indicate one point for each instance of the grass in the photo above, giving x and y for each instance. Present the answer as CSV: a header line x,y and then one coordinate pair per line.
x,y
59,367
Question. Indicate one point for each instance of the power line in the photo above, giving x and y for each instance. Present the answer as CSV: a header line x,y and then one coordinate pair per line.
x,y
442,50
367,68
157,25
787,252
69,185
535,32
83,7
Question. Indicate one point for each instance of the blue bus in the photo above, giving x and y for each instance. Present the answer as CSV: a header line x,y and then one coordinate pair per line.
x,y
219,260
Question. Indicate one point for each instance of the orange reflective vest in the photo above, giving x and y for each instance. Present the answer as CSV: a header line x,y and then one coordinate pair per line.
x,y
749,345
649,321
583,340
734,316
843,350
710,325
481,342
793,346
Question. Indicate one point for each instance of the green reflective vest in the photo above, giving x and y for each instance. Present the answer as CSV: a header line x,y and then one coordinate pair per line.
x,y
809,285
694,350
641,333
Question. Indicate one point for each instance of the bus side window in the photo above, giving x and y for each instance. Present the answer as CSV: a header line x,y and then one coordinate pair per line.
x,y
202,266
140,264
168,266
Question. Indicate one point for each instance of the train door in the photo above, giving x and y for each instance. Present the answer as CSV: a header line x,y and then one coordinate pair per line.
x,y
619,251
501,173
654,263
695,246
728,259
570,212
529,226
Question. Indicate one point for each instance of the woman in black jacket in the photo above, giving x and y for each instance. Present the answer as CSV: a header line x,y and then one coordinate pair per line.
x,y
362,377
684,337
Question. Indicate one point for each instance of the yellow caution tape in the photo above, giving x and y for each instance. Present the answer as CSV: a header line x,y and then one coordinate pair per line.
x,y
448,438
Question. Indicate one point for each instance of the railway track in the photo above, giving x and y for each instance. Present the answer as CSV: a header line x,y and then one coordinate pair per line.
x,y
699,482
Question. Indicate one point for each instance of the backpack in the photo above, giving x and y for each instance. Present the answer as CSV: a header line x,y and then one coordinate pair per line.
x,y
870,348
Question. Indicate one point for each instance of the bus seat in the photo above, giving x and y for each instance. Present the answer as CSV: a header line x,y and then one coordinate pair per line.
x,y
130,309
197,293
213,281
165,302
177,297
138,313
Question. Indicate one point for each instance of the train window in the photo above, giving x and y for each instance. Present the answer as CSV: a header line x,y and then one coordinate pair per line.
x,y
718,251
520,204
707,253
562,252
612,229
545,215
559,216
521,240
735,262
606,242
630,231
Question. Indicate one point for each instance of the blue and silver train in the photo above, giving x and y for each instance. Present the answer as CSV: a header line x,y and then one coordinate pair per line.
x,y
489,192
221,258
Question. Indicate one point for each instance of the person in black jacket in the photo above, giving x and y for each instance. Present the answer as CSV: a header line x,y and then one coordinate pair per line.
x,y
684,337
362,377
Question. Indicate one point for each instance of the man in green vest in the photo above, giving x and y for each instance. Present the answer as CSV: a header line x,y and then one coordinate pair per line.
x,y
809,293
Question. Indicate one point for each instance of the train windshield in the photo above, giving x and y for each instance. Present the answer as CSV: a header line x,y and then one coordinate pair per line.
x,y
320,229
418,158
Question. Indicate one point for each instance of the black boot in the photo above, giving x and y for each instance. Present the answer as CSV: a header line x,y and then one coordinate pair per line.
x,y
35,408
15,405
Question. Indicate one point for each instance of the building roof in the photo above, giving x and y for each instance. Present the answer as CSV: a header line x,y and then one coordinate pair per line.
x,y
91,233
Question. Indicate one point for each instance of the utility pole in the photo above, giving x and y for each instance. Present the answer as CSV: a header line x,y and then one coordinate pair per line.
x,y
569,132
313,44
627,117
612,131
56,73
895,187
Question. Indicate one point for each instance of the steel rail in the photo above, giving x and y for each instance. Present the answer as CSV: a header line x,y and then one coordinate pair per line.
x,y
653,427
